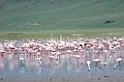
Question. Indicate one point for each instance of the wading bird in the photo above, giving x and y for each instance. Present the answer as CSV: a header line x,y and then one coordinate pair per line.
x,y
22,61
88,64
96,61
117,62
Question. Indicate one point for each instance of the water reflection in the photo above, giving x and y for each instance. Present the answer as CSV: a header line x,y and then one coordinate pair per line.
x,y
2,64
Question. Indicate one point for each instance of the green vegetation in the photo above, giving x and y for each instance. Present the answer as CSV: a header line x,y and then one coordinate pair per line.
x,y
21,19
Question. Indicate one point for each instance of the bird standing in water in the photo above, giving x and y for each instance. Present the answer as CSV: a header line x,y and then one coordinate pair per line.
x,y
117,62
88,64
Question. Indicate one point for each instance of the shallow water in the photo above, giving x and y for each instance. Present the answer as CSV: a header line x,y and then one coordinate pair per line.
x,y
67,67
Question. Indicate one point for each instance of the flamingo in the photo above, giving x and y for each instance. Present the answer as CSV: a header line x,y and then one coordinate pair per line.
x,y
69,52
39,60
96,61
77,57
117,62
53,58
22,61
88,64
58,54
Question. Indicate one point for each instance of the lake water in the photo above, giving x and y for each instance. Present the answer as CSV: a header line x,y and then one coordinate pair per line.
x,y
65,67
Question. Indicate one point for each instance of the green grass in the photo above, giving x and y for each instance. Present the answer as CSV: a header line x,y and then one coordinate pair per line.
x,y
65,33
21,19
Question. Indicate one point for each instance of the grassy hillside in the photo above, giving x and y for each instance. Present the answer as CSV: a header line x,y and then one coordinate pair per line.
x,y
60,15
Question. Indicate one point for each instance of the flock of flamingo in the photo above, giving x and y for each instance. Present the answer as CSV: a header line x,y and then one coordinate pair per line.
x,y
91,49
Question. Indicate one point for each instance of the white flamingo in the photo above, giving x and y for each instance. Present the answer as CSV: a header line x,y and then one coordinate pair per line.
x,y
39,60
117,62
22,61
88,64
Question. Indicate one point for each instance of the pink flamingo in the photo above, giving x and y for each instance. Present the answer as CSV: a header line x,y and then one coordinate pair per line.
x,y
58,55
78,57
53,58
69,52
96,61
117,62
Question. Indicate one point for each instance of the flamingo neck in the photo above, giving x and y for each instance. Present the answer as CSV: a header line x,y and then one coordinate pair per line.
x,y
89,67
88,63
115,66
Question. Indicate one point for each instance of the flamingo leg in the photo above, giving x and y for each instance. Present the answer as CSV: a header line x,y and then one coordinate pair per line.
x,y
119,64
96,65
